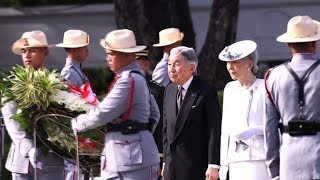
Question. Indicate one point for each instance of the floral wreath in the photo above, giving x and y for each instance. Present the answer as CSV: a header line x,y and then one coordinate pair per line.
x,y
45,106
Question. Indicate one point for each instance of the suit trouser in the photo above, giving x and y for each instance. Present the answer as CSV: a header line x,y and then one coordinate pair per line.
x,y
148,173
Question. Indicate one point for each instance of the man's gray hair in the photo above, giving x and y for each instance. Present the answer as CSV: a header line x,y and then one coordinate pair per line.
x,y
188,54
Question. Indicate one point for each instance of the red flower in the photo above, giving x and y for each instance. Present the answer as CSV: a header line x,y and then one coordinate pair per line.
x,y
86,145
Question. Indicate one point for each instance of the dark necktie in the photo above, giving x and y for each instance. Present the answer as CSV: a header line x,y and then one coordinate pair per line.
x,y
179,97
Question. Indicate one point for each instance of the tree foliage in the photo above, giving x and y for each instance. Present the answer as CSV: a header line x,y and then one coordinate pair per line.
x,y
222,32
146,18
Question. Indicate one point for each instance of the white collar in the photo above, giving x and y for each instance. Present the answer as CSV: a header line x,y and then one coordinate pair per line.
x,y
187,83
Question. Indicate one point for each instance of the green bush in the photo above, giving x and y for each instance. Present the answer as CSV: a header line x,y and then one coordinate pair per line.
x,y
100,80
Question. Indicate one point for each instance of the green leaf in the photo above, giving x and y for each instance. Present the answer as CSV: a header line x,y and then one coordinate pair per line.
x,y
22,118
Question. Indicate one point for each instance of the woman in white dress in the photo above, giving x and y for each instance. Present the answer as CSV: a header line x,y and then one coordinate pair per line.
x,y
242,143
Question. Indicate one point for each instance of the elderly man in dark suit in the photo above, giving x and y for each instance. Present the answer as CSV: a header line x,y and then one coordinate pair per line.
x,y
191,121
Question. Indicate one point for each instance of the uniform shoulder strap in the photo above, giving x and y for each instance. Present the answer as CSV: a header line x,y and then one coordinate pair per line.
x,y
137,72
301,81
125,116
82,76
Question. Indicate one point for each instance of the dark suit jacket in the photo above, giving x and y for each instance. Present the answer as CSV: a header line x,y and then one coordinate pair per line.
x,y
191,137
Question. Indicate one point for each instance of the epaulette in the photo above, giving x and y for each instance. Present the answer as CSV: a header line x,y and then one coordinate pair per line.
x,y
266,76
270,69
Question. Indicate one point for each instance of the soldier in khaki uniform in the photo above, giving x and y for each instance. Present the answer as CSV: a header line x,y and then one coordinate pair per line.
x,y
23,156
294,153
128,112
76,44
168,39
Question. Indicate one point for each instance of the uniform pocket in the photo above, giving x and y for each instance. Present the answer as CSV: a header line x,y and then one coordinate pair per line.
x,y
128,150
257,148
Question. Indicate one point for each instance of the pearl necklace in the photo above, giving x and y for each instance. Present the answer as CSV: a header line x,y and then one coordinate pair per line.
x,y
250,84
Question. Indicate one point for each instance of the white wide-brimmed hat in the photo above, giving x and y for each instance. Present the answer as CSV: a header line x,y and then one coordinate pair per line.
x,y
30,39
237,50
169,36
301,29
74,39
143,53
122,40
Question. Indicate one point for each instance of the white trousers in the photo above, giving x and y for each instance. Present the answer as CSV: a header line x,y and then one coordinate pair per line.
x,y
148,173
248,170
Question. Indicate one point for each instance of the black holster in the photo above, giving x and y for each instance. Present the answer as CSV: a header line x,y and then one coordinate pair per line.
x,y
300,128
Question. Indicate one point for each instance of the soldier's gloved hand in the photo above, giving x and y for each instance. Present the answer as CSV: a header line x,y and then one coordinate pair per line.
x,y
78,124
85,92
33,153
88,94
74,126
223,172
250,132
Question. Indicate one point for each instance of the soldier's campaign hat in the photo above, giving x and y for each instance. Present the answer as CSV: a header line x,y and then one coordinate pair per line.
x,y
301,29
169,36
238,50
30,39
74,38
143,53
122,40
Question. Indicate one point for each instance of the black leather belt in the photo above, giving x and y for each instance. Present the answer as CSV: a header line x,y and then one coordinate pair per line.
x,y
300,128
128,127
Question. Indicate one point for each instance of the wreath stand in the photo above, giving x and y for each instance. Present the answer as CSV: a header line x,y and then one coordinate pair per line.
x,y
38,134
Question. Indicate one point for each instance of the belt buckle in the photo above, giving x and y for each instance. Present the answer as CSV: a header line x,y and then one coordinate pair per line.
x,y
302,128
128,128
